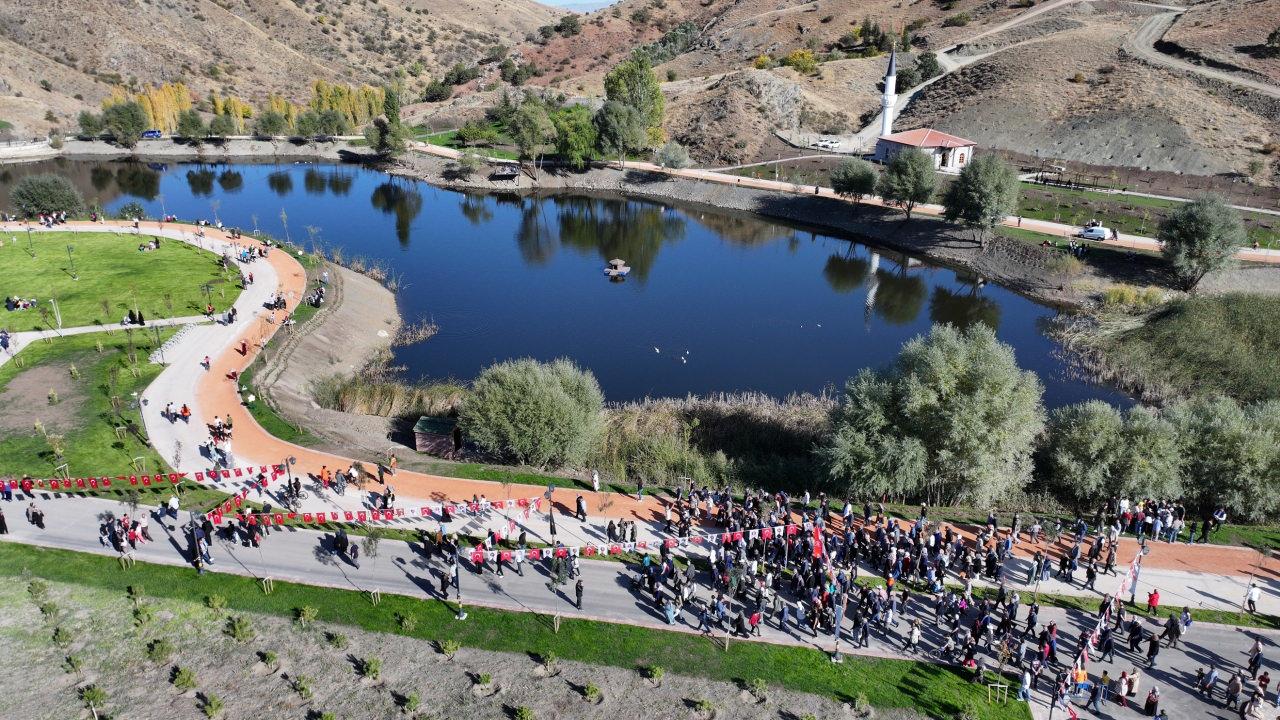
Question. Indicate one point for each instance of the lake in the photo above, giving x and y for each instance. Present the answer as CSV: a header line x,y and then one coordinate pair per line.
x,y
715,302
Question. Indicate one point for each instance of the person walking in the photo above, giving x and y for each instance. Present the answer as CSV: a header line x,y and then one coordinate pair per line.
x,y
1153,649
582,509
577,592
1252,596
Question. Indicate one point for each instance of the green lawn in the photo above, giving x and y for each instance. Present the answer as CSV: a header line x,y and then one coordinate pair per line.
x,y
449,139
114,277
1204,345
270,420
930,689
83,420
1128,213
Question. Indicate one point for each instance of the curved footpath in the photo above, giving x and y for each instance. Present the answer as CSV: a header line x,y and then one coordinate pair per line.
x,y
1207,575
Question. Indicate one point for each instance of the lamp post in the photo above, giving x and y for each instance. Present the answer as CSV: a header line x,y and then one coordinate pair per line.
x,y
71,260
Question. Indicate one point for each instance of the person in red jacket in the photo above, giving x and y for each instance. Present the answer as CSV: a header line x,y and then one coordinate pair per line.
x,y
1153,601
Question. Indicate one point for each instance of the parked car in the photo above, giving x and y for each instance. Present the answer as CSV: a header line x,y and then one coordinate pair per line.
x,y
151,134
1094,232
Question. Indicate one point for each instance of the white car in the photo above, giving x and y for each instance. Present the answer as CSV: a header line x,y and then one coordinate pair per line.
x,y
1094,232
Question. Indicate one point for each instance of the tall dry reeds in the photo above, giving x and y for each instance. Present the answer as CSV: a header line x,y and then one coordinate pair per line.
x,y
372,394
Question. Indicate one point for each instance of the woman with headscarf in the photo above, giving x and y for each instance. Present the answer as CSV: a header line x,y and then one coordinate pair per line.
x,y
1153,702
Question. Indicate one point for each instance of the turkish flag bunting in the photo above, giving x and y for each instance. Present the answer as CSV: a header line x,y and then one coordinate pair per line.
x,y
106,482
239,501
505,555
347,514
360,515
523,502
643,544
589,550
696,539
615,550
477,556
737,535
199,477
562,552
534,554
670,542
306,517
280,518
792,530
238,472
93,482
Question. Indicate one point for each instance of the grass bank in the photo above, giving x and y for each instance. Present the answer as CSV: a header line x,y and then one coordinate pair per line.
x,y
934,690
105,276
81,392
1197,345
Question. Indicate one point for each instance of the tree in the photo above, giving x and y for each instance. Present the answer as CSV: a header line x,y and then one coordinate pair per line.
x,y
1230,455
908,180
633,83
90,124
927,66
125,121
46,193
308,124
391,104
672,155
569,25
802,61
953,420
385,138
221,126
333,122
620,129
983,196
1200,237
855,178
474,133
436,91
531,129
1084,447
534,413
469,163
270,124
191,125
575,135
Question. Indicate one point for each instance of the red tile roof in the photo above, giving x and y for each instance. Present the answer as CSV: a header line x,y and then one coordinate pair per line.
x,y
928,138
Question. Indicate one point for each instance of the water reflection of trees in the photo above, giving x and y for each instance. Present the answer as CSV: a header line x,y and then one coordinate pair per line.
x,y
100,177
403,201
845,274
475,209
138,180
900,296
963,309
314,182
280,182
535,238
744,230
201,181
230,181
339,182
632,231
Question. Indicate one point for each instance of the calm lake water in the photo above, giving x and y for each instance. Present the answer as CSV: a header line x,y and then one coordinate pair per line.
x,y
714,302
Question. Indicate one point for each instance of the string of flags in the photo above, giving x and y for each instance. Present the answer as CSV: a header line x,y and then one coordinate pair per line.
x,y
102,481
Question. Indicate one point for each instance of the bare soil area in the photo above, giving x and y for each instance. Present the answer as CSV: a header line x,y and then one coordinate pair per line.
x,y
25,400
114,656
1232,33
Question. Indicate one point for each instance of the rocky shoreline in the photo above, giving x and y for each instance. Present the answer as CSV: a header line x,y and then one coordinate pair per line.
x,y
232,150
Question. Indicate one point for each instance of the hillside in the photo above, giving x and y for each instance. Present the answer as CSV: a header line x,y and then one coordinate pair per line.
x,y
249,48
1232,34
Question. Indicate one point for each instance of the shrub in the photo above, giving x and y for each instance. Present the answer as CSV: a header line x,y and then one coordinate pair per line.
x,y
46,193
48,610
802,61
655,673
758,688
302,686
704,706
483,679
1064,264
408,623
762,62
958,20
672,155
159,650
861,706
125,121
72,663
270,659
591,693
411,702
143,614
305,615
328,716
1128,297
240,629
216,603
93,696
212,705
132,210
524,712
1077,78
448,648
534,413
371,668
549,659
336,640
38,590
62,637
184,679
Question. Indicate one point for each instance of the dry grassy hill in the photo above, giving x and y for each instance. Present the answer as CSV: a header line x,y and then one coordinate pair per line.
x,y
245,47
1075,95
1232,33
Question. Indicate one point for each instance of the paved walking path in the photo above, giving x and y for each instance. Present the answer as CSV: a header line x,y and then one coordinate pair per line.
x,y
1210,575
301,555
19,340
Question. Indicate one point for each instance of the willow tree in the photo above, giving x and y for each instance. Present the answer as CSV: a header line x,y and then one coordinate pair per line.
x,y
953,420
